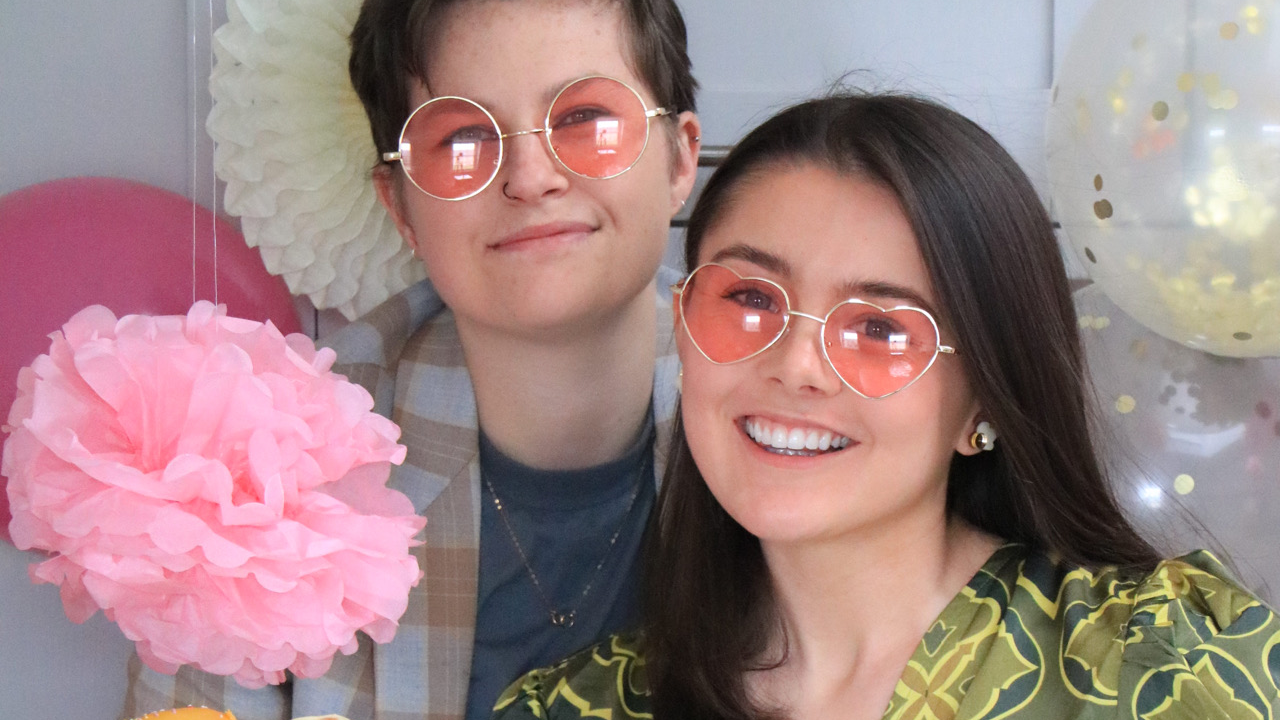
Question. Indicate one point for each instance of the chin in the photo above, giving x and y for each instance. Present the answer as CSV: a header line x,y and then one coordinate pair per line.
x,y
779,520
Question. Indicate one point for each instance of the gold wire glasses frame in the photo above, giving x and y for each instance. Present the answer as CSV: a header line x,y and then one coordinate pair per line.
x,y
678,290
547,131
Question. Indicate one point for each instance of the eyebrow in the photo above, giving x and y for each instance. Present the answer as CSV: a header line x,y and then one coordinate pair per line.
x,y
548,95
862,289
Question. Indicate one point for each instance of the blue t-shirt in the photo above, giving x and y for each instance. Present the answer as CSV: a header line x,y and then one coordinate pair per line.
x,y
563,520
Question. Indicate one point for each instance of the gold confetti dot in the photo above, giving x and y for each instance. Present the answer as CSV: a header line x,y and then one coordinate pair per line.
x,y
1229,30
1184,484
1089,254
1228,99
1086,321
1242,335
1125,404
1097,182
1103,209
1159,111
1186,82
1254,26
1101,323
1251,11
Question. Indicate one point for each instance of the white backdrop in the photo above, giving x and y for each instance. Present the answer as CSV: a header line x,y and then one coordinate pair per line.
x,y
95,88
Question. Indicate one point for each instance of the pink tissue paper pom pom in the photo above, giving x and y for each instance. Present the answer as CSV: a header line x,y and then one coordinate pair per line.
x,y
214,488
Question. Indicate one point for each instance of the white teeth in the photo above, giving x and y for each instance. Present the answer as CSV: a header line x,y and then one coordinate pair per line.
x,y
778,438
790,440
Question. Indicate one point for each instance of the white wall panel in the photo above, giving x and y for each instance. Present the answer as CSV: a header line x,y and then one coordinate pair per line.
x,y
93,88
990,59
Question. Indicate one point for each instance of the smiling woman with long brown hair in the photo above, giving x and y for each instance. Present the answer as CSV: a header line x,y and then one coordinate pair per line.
x,y
884,499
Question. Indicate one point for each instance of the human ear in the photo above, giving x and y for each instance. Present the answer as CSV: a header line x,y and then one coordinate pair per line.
x,y
684,171
390,191
965,442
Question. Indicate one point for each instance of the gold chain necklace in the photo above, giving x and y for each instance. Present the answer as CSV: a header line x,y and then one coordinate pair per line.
x,y
561,619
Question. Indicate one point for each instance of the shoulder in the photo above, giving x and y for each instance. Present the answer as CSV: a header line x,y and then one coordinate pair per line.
x,y
1185,637
369,348
377,336
1197,639
604,680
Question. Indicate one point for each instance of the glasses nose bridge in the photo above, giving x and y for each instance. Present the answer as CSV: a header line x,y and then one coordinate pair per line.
x,y
518,133
819,352
822,327
504,137
815,318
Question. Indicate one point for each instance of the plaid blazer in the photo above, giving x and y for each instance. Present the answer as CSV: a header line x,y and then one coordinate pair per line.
x,y
406,353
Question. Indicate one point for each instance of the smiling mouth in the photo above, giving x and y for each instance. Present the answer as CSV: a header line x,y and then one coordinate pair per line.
x,y
792,441
560,231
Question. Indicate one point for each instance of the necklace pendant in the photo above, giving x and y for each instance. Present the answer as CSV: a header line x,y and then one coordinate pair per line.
x,y
564,620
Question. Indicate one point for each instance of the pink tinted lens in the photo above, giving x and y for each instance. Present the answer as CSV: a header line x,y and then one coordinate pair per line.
x,y
450,148
879,352
730,318
598,127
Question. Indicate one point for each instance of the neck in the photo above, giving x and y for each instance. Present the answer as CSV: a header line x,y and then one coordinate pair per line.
x,y
571,400
854,610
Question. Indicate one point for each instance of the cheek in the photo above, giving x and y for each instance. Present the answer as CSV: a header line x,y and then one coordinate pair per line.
x,y
957,409
706,390
452,268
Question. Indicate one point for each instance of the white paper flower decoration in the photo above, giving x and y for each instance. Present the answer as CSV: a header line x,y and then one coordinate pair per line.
x,y
294,148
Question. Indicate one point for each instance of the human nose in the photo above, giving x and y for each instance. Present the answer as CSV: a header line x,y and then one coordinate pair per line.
x,y
529,170
798,361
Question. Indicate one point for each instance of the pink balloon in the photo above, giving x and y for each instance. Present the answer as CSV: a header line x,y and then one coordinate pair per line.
x,y
74,242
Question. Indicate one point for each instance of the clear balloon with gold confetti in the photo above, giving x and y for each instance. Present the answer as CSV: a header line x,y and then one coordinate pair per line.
x,y
1188,430
1163,145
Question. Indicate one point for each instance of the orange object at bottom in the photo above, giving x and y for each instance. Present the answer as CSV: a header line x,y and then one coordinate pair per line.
x,y
189,713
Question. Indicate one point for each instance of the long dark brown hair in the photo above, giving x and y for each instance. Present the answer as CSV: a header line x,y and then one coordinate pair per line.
x,y
995,267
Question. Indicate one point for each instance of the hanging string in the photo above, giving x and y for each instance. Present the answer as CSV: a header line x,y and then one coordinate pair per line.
x,y
213,175
195,155
198,63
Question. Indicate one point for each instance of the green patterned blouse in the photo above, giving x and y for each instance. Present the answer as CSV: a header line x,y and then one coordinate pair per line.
x,y
1028,637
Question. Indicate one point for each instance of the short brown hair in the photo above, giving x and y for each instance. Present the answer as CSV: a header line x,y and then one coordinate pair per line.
x,y
391,37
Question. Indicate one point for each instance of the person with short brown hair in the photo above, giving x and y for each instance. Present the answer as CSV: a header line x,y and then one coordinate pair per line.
x,y
532,154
